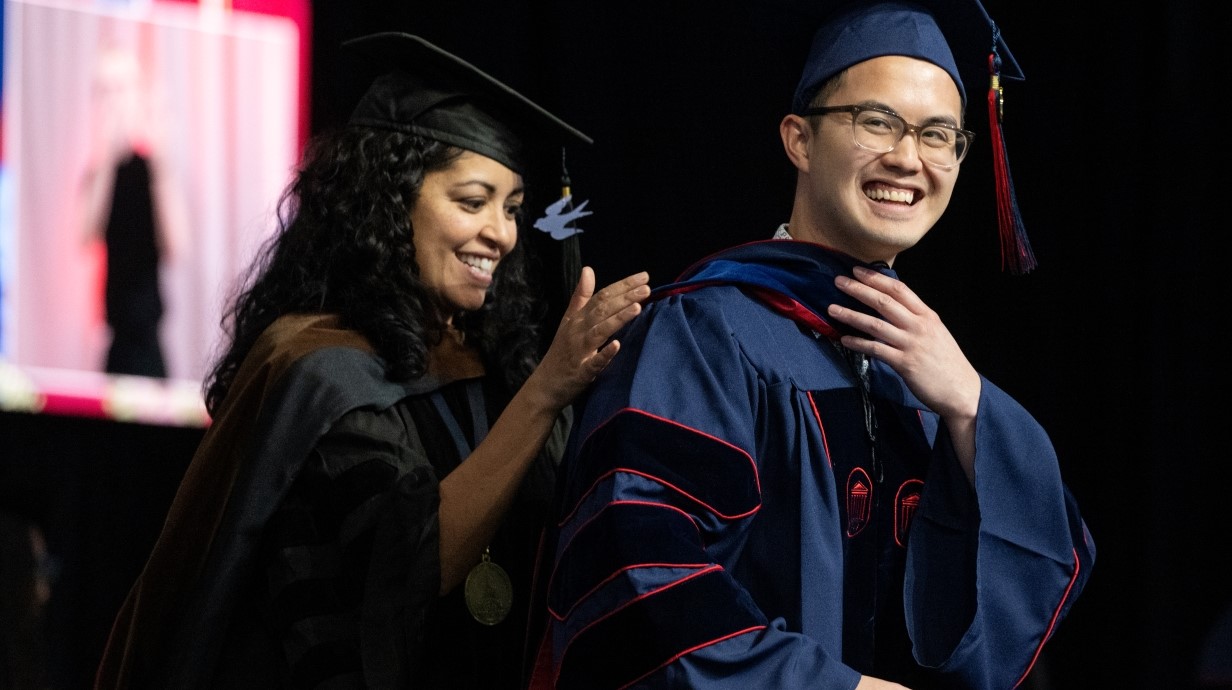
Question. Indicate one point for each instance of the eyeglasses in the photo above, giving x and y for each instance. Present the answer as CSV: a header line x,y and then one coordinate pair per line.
x,y
880,130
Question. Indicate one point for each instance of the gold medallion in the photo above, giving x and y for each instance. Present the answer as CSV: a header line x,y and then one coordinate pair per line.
x,y
489,594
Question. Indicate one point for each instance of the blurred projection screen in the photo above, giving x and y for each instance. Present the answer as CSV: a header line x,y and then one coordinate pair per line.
x,y
220,98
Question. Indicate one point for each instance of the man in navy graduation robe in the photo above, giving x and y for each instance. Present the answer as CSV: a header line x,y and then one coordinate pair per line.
x,y
792,477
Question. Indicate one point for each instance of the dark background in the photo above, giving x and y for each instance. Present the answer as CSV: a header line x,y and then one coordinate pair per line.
x,y
1119,151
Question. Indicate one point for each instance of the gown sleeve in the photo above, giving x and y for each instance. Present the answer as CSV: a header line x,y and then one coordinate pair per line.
x,y
351,557
662,490
992,570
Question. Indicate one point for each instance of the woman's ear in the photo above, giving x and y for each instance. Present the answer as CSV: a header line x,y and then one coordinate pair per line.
x,y
796,133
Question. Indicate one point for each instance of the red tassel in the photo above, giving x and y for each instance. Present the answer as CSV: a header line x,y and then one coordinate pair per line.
x,y
1016,254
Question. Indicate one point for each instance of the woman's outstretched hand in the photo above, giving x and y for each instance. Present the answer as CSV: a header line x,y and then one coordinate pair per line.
x,y
582,346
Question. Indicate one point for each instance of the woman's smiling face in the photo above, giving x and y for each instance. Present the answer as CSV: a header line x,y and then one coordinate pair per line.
x,y
465,220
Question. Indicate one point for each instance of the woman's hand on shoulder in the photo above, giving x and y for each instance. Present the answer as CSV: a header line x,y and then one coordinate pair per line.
x,y
582,346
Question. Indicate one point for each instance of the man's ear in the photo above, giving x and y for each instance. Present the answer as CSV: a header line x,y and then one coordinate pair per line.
x,y
796,133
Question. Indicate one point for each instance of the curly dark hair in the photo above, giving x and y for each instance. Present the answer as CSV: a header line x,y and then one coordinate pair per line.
x,y
344,247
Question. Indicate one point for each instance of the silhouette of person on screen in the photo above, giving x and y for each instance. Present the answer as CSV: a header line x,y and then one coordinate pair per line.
x,y
130,202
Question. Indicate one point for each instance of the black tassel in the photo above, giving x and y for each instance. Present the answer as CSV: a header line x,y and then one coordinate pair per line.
x,y
571,247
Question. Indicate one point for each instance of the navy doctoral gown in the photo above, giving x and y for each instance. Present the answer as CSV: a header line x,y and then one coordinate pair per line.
x,y
746,505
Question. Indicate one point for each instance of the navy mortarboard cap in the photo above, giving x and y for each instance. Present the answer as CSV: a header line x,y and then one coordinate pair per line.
x,y
427,91
957,36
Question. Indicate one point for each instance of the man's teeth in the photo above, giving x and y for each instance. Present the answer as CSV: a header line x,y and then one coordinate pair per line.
x,y
880,194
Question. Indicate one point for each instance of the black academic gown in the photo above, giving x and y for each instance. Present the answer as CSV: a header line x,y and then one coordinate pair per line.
x,y
303,544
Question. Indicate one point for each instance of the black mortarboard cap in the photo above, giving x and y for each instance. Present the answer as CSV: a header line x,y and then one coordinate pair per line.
x,y
956,35
427,91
